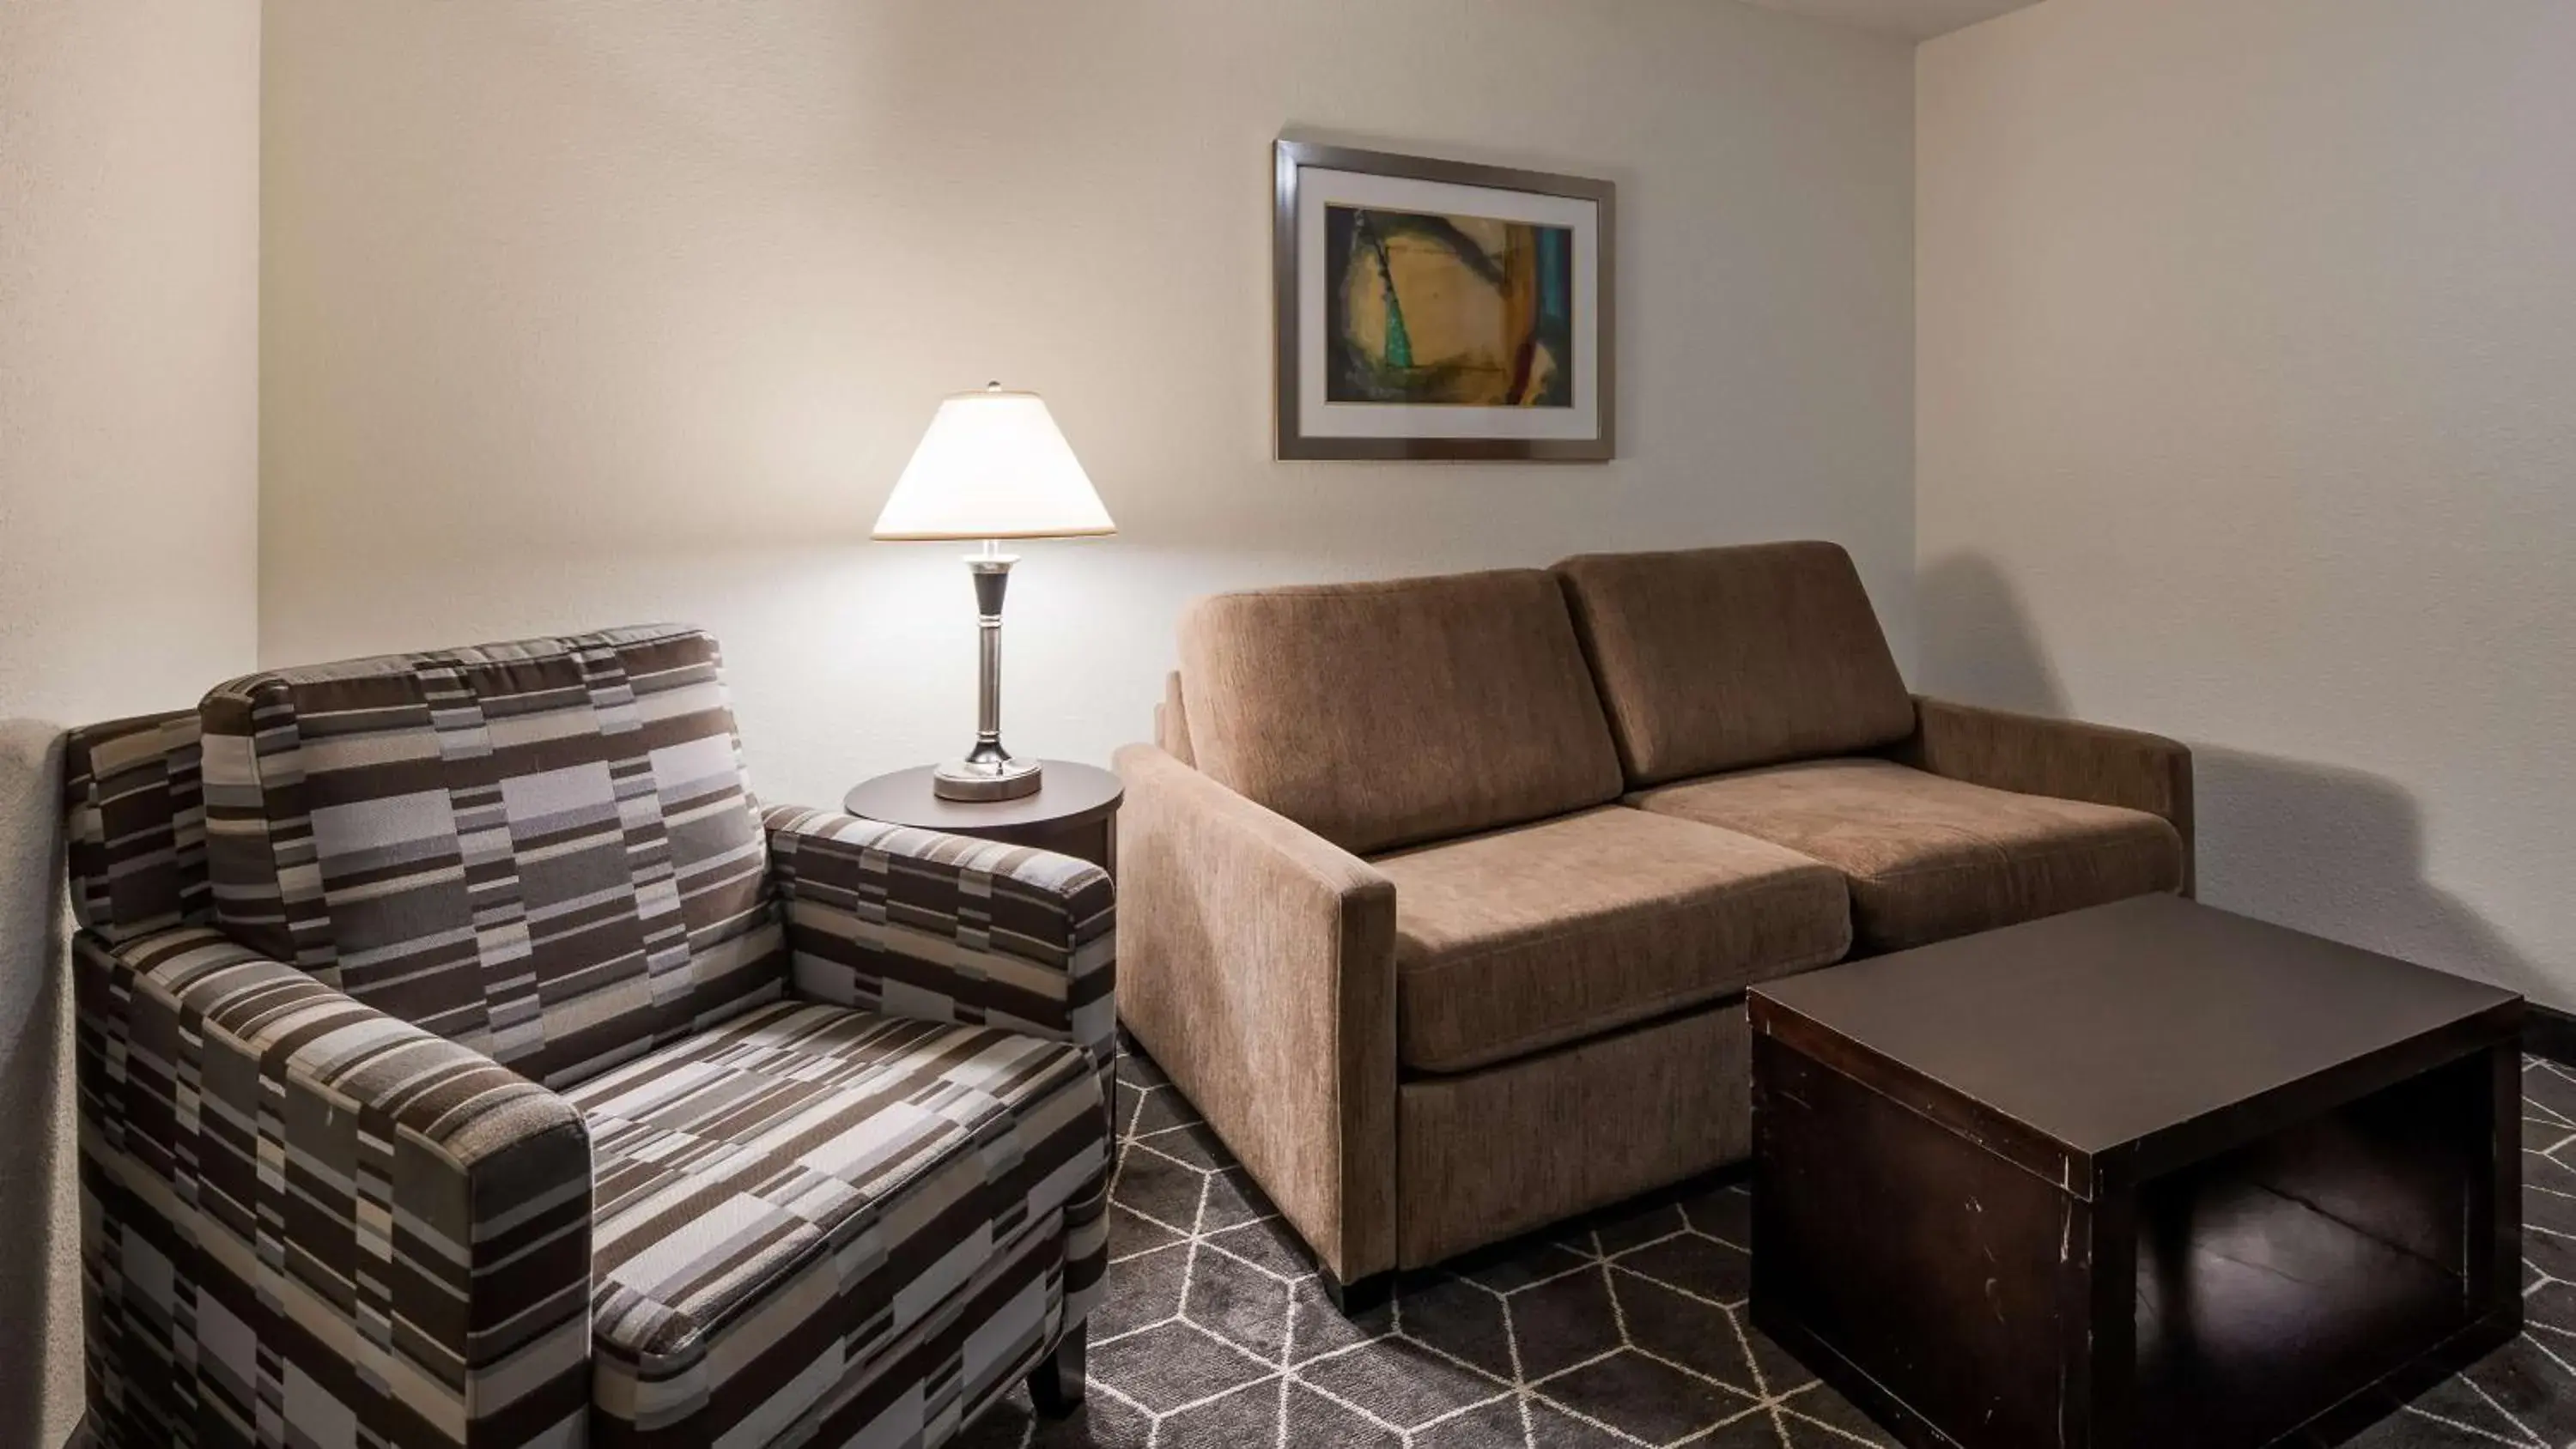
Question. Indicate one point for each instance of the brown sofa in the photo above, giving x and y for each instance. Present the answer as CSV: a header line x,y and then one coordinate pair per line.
x,y
1440,896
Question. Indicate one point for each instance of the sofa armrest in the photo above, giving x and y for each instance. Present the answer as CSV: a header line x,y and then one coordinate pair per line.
x,y
1261,975
940,927
2066,759
352,1220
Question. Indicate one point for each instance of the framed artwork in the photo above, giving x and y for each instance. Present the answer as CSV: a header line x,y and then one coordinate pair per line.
x,y
1435,309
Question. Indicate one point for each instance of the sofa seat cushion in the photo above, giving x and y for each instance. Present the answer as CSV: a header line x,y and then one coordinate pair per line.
x,y
788,1197
1526,938
1929,857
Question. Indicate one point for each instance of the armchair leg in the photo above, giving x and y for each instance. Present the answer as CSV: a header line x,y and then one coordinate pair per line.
x,y
1055,1385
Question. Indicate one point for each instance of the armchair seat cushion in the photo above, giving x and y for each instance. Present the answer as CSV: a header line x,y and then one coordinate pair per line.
x,y
804,1190
1929,857
1526,938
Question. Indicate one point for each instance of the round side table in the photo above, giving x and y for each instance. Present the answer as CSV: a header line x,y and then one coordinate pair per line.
x,y
1074,812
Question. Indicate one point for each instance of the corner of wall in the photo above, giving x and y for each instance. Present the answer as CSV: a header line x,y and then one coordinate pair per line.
x,y
40,1403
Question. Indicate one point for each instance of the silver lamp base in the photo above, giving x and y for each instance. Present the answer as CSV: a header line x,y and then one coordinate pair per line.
x,y
1002,779
988,772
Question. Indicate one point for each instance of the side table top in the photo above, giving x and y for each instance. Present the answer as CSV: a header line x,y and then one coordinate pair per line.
x,y
1068,794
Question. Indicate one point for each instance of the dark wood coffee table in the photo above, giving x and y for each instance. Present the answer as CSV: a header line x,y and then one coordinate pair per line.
x,y
2145,1175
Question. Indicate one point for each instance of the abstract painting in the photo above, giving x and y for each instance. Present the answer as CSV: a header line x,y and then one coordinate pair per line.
x,y
1466,311
1440,309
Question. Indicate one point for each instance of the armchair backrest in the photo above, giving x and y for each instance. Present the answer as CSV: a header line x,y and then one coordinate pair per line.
x,y
135,821
545,850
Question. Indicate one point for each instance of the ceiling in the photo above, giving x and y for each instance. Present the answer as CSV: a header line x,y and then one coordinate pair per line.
x,y
1920,19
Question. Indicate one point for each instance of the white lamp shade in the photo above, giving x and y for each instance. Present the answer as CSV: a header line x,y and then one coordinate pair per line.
x,y
993,465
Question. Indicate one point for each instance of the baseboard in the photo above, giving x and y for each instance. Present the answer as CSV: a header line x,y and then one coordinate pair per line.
x,y
2549,1032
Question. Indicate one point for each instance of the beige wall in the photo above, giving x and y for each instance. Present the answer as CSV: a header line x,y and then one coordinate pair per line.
x,y
129,476
2247,411
586,312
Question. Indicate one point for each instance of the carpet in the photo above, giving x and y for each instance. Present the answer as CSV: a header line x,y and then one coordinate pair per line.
x,y
1625,1328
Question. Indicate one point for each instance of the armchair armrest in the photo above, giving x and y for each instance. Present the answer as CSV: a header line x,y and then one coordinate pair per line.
x,y
340,1218
2066,759
925,924
1261,975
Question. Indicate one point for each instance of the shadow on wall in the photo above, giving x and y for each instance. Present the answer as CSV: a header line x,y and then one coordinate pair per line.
x,y
1976,640
2339,852
2319,847
39,1214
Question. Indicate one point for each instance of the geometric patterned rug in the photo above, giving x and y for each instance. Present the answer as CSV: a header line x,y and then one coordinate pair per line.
x,y
1624,1328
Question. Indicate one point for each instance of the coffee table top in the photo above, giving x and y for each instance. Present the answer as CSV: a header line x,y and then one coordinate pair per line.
x,y
2114,1027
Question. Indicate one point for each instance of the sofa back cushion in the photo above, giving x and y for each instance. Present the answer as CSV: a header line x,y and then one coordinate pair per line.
x,y
1723,658
543,850
1383,714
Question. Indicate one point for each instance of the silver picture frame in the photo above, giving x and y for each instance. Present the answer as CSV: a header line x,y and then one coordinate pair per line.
x,y
1291,159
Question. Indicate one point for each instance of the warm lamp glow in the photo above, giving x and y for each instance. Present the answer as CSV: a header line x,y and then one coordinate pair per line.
x,y
993,465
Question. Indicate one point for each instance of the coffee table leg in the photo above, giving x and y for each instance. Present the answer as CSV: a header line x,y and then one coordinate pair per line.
x,y
2494,1268
2100,1297
1958,1298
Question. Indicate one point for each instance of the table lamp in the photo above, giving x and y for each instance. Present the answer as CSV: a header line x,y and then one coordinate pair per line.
x,y
992,466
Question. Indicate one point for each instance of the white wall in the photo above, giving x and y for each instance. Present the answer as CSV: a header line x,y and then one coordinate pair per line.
x,y
2247,412
129,477
586,312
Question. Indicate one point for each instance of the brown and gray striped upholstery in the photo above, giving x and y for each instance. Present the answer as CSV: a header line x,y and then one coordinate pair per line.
x,y
543,850
136,823
305,1222
944,928
935,927
313,1217
786,1200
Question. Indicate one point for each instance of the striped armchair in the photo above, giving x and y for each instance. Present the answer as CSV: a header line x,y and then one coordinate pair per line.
x,y
465,1059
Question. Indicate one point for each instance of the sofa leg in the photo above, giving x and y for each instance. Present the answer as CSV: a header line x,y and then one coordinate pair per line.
x,y
1055,1385
1354,1298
